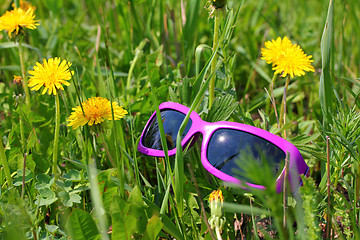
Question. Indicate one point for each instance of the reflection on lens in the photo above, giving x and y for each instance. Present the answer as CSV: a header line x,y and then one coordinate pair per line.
x,y
171,121
227,146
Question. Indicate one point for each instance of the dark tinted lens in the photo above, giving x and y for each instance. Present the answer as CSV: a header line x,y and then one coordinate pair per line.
x,y
226,146
172,121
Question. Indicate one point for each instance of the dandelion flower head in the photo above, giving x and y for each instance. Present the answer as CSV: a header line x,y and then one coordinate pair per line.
x,y
286,58
94,111
51,75
16,19
275,49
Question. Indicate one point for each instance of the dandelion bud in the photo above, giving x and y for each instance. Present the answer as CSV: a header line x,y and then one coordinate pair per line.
x,y
17,79
216,200
219,3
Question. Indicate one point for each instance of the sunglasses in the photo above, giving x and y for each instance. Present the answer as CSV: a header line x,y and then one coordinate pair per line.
x,y
223,144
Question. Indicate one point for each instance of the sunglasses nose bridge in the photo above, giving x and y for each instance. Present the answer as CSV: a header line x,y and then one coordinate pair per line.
x,y
200,126
207,129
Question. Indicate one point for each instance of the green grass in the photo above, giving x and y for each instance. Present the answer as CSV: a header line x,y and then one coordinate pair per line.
x,y
142,53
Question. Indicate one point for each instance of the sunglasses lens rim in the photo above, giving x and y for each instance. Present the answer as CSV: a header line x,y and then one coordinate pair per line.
x,y
296,163
145,147
227,145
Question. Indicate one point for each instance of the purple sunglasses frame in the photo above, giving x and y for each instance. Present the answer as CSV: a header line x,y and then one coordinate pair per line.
x,y
297,165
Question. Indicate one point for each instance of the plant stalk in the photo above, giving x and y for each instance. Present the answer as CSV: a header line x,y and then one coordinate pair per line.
x,y
284,187
357,192
328,215
214,61
253,220
272,98
22,135
283,104
23,73
5,164
56,137
23,177
218,233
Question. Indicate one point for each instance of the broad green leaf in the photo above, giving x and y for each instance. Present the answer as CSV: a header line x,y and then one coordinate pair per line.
x,y
136,196
73,175
19,177
45,197
65,185
81,225
171,228
43,181
68,199
51,228
127,219
153,228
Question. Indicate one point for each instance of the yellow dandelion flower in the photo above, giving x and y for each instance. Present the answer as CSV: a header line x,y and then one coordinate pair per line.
x,y
51,74
24,5
275,49
286,58
295,62
96,110
16,19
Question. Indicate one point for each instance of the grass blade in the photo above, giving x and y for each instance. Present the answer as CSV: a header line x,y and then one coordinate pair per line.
x,y
326,86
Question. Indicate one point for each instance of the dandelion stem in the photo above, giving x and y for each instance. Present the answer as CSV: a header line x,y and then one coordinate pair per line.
x,y
218,234
5,164
56,136
283,104
23,73
273,98
214,61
